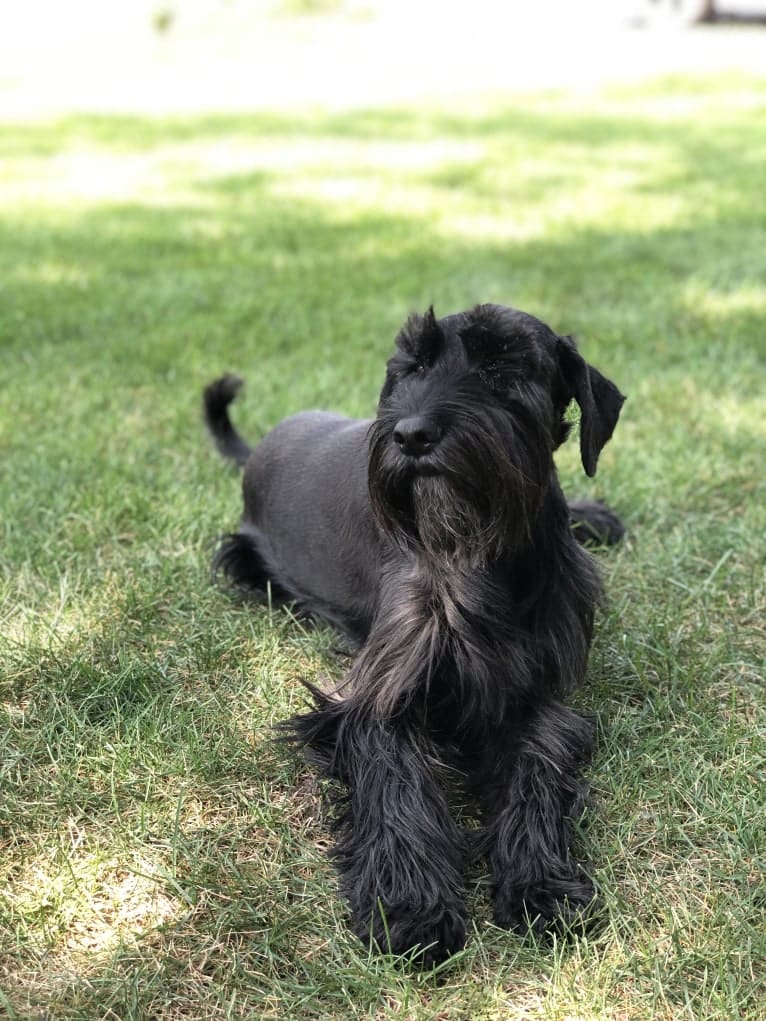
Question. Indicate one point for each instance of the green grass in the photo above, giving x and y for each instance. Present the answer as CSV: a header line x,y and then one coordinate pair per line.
x,y
161,858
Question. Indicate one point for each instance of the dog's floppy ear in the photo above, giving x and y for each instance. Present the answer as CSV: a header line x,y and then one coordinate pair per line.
x,y
599,399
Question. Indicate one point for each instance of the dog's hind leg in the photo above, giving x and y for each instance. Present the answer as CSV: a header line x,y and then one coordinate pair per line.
x,y
241,559
533,804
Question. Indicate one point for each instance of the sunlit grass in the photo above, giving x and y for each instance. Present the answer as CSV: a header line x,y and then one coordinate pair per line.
x,y
161,858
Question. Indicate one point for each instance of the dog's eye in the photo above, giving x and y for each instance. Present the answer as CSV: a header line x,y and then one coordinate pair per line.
x,y
414,368
506,366
499,377
493,371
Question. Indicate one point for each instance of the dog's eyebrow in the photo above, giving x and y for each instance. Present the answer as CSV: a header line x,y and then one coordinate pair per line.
x,y
484,343
421,336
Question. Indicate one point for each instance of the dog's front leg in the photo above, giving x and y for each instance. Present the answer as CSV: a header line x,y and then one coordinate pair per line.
x,y
400,855
533,798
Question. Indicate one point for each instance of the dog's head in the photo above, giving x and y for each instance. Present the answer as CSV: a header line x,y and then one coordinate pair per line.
x,y
473,406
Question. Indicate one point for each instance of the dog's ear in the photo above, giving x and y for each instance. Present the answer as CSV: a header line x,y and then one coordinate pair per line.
x,y
599,399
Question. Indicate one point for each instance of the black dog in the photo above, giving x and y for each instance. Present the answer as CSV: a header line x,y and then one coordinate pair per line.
x,y
437,538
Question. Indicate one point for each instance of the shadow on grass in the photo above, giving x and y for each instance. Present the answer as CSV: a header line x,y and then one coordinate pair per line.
x,y
246,249
304,295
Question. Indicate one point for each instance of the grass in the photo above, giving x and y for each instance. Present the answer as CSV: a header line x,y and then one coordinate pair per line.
x,y
161,858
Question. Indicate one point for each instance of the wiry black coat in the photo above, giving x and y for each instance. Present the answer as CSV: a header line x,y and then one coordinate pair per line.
x,y
437,538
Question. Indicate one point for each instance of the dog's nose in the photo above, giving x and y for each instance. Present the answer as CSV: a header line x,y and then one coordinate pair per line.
x,y
416,436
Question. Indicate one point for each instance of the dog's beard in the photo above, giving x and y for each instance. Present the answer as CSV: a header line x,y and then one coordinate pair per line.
x,y
469,505
451,528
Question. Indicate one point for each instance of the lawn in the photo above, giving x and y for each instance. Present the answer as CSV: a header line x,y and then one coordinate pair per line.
x,y
161,857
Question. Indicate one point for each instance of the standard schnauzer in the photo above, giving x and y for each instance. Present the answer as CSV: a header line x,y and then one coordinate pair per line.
x,y
437,538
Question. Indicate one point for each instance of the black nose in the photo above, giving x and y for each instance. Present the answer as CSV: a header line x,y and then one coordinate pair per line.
x,y
416,436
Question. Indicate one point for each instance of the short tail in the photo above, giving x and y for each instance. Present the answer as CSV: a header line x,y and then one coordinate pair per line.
x,y
216,399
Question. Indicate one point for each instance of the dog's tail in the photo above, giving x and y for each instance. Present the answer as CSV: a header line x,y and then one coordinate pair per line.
x,y
216,400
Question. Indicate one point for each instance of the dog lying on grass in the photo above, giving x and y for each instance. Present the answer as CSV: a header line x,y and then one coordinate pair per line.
x,y
436,537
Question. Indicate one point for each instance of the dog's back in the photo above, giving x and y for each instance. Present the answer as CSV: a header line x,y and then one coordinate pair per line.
x,y
305,492
305,487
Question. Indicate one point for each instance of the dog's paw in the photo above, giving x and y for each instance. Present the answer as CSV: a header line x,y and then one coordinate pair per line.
x,y
425,939
552,905
595,524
